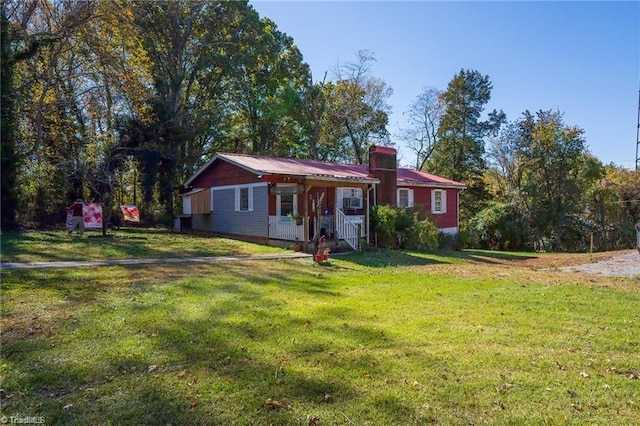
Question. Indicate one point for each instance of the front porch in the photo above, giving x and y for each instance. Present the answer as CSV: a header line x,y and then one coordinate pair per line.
x,y
336,228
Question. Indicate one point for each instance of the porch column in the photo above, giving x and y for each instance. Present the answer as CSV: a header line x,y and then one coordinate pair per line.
x,y
367,213
305,216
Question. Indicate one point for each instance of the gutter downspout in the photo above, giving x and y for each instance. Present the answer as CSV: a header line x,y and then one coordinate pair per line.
x,y
458,210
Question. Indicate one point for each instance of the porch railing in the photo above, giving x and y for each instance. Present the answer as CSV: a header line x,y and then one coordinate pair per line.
x,y
285,228
347,228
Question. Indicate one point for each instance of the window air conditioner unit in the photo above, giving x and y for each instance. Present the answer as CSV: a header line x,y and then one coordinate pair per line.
x,y
352,203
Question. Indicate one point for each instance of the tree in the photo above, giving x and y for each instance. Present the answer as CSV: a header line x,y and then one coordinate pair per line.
x,y
423,121
612,203
270,77
76,89
359,108
26,28
459,152
557,171
313,104
192,48
505,163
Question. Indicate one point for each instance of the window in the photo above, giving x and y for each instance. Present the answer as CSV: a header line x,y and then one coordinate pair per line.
x,y
405,197
438,201
244,199
349,198
286,205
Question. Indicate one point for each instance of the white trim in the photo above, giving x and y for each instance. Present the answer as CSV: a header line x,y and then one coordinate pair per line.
x,y
443,201
193,191
237,197
186,204
451,231
410,197
245,185
279,205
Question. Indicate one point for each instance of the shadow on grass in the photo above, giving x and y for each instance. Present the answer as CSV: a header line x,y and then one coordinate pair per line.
x,y
190,349
492,257
123,244
388,257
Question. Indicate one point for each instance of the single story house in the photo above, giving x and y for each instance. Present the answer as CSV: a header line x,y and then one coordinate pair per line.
x,y
282,200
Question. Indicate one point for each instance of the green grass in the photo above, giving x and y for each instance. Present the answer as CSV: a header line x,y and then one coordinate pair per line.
x,y
375,338
124,244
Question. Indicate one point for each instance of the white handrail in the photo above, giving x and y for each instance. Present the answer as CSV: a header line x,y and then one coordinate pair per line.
x,y
346,229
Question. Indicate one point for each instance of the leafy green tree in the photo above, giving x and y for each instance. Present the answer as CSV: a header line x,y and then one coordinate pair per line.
x,y
499,226
554,155
191,47
612,204
546,185
270,77
459,152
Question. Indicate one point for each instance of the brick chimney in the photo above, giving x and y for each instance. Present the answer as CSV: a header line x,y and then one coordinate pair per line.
x,y
382,165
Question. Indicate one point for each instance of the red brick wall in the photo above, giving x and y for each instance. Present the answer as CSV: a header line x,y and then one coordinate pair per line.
x,y
382,165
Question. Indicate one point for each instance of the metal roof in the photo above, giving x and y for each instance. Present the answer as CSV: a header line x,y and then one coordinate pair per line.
x,y
416,177
261,165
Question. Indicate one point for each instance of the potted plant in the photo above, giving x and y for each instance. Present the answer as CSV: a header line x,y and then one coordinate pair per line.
x,y
296,217
325,254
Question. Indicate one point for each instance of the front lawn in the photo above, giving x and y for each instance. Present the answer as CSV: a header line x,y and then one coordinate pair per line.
x,y
376,338
126,243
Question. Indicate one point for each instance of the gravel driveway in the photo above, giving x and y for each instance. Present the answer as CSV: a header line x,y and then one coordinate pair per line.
x,y
624,265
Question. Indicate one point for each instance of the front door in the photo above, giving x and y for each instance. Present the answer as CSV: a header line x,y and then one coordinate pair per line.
x,y
286,205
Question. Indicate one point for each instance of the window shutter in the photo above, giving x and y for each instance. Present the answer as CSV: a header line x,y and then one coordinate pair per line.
x,y
410,198
250,195
444,201
237,199
433,201
339,196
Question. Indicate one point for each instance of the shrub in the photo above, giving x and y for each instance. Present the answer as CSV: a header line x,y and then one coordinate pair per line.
x,y
499,226
404,228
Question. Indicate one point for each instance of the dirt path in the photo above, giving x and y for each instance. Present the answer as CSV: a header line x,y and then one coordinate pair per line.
x,y
623,265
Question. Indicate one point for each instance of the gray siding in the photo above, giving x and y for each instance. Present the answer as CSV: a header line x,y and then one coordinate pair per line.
x,y
225,219
201,222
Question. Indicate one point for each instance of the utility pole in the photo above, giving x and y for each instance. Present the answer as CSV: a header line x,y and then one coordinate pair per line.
x,y
638,135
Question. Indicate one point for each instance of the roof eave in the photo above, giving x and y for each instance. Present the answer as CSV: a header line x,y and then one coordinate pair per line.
x,y
343,179
432,184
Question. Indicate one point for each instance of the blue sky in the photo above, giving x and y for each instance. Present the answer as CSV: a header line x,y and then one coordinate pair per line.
x,y
581,58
